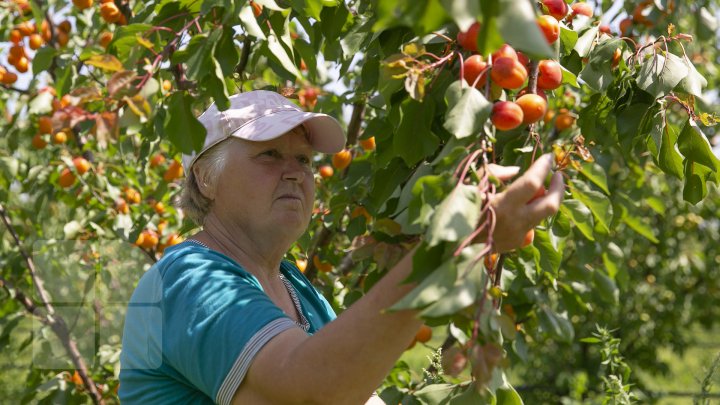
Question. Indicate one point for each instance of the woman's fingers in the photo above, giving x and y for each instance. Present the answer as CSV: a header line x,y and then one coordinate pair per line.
x,y
548,204
524,188
503,173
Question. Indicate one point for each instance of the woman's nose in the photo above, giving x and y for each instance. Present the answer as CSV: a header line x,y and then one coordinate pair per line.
x,y
294,171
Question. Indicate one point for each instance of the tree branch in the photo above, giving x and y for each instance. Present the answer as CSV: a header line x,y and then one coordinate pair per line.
x,y
56,322
244,55
353,131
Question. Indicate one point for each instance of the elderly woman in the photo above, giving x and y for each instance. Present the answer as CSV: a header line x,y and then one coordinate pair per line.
x,y
222,318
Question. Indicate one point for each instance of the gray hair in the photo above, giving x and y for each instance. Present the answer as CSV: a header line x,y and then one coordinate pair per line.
x,y
194,204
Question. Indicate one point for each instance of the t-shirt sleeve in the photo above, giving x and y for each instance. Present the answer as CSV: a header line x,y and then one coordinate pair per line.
x,y
216,319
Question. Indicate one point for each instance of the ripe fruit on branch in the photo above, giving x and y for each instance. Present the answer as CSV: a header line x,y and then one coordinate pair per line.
x,y
132,196
147,239
38,142
301,264
326,171
468,39
105,38
15,37
368,143
35,41
533,107
167,85
549,27
83,4
582,9
81,165
159,208
473,68
67,178
157,160
324,267
529,237
174,171
506,115
508,73
490,260
556,8
59,138
505,51
626,27
605,29
342,159
564,120
110,12
616,57
424,334
45,125
549,75
360,210
257,8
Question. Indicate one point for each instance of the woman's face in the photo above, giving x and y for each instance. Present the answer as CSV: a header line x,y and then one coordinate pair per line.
x,y
267,186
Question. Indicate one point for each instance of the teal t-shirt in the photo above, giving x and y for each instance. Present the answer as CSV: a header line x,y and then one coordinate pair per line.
x,y
196,321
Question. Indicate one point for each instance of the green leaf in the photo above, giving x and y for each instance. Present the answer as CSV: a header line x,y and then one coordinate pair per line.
x,y
423,16
568,39
569,77
249,22
517,23
598,203
598,73
433,288
584,44
385,181
43,59
640,227
226,52
555,324
278,52
427,192
463,12
125,39
595,173
605,287
181,126
696,177
693,144
612,257
669,160
456,217
694,82
508,396
660,74
215,83
550,258
196,56
580,215
489,38
468,110
413,140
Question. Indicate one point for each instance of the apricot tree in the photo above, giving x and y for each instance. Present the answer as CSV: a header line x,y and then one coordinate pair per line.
x,y
100,100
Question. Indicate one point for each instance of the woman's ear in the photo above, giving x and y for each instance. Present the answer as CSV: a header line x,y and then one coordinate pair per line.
x,y
204,184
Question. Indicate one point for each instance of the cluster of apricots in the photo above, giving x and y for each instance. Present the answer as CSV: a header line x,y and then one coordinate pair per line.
x,y
27,31
109,11
342,159
507,69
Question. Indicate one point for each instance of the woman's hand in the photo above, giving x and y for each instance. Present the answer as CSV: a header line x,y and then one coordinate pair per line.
x,y
516,209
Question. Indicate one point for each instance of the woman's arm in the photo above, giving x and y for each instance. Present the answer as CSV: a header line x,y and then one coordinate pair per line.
x,y
344,362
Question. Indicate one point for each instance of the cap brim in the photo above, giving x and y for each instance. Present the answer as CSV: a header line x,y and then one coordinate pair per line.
x,y
324,132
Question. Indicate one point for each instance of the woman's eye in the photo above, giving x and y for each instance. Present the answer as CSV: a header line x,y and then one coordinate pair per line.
x,y
271,153
304,160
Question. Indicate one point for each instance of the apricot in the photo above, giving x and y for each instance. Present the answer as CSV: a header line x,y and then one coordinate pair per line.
x,y
626,27
508,73
556,8
9,78
166,85
38,142
564,120
257,8
526,90
81,165
147,239
490,260
549,75
174,171
62,38
505,51
616,57
424,334
157,160
360,210
473,68
59,137
121,206
65,26
159,208
22,64
67,178
83,4
367,143
529,237
506,115
45,125
321,266
342,159
26,28
301,264
132,196
604,28
549,27
35,41
468,39
582,9
105,38
533,107
110,12
524,60
15,36
326,171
